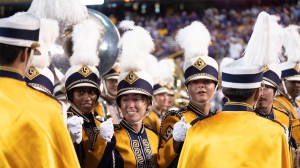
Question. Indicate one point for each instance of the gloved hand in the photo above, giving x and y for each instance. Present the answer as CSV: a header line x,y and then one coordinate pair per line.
x,y
180,129
74,125
107,130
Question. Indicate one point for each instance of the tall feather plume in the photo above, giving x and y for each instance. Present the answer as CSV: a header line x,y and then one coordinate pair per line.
x,y
292,43
152,67
49,31
136,45
126,25
86,37
266,41
167,68
66,11
194,39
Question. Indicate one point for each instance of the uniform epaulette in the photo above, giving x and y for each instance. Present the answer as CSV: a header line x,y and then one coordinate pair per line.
x,y
201,118
117,127
146,126
284,106
279,109
177,113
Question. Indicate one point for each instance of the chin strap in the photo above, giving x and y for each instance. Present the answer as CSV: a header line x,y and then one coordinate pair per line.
x,y
106,93
285,90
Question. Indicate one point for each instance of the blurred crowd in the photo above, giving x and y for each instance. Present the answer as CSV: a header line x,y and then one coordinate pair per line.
x,y
230,28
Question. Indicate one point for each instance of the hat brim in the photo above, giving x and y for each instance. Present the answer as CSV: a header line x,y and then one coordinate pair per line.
x,y
112,77
161,90
132,92
83,85
269,84
200,77
293,78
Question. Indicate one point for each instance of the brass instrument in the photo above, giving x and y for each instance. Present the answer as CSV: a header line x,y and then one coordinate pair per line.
x,y
108,50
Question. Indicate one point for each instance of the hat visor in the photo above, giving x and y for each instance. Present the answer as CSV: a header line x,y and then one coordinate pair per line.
x,y
201,77
83,85
112,77
269,84
132,92
293,78
161,90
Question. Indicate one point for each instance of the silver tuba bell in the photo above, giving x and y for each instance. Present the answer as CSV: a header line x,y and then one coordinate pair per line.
x,y
108,50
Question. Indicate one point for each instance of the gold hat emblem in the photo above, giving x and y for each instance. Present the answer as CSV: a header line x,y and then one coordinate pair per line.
x,y
297,67
32,73
85,71
131,78
265,69
199,64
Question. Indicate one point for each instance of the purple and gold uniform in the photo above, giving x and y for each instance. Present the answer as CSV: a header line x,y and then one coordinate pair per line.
x,y
167,155
88,151
35,116
244,135
129,148
295,121
153,121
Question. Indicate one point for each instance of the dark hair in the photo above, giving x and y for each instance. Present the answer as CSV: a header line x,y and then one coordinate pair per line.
x,y
238,95
145,97
9,53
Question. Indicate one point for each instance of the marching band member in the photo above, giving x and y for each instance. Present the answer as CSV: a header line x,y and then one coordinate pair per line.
x,y
29,117
82,87
237,136
130,143
291,83
201,80
107,101
39,76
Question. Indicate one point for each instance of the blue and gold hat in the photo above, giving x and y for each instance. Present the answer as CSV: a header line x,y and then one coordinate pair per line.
x,y
165,79
83,71
271,75
136,45
291,68
41,79
195,39
25,30
262,49
113,73
39,76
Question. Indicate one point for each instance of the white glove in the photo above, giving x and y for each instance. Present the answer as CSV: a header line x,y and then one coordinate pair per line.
x,y
180,129
74,125
107,130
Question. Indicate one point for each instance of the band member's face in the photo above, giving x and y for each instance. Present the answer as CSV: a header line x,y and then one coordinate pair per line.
x,y
293,88
84,98
161,101
266,99
171,100
133,107
112,85
201,90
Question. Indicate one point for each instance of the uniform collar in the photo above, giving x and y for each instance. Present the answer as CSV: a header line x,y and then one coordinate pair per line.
x,y
9,72
237,106
196,110
130,128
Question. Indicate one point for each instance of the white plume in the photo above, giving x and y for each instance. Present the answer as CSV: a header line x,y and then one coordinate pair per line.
x,y
136,45
49,31
85,38
152,67
266,41
194,39
126,25
167,68
66,11
292,43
